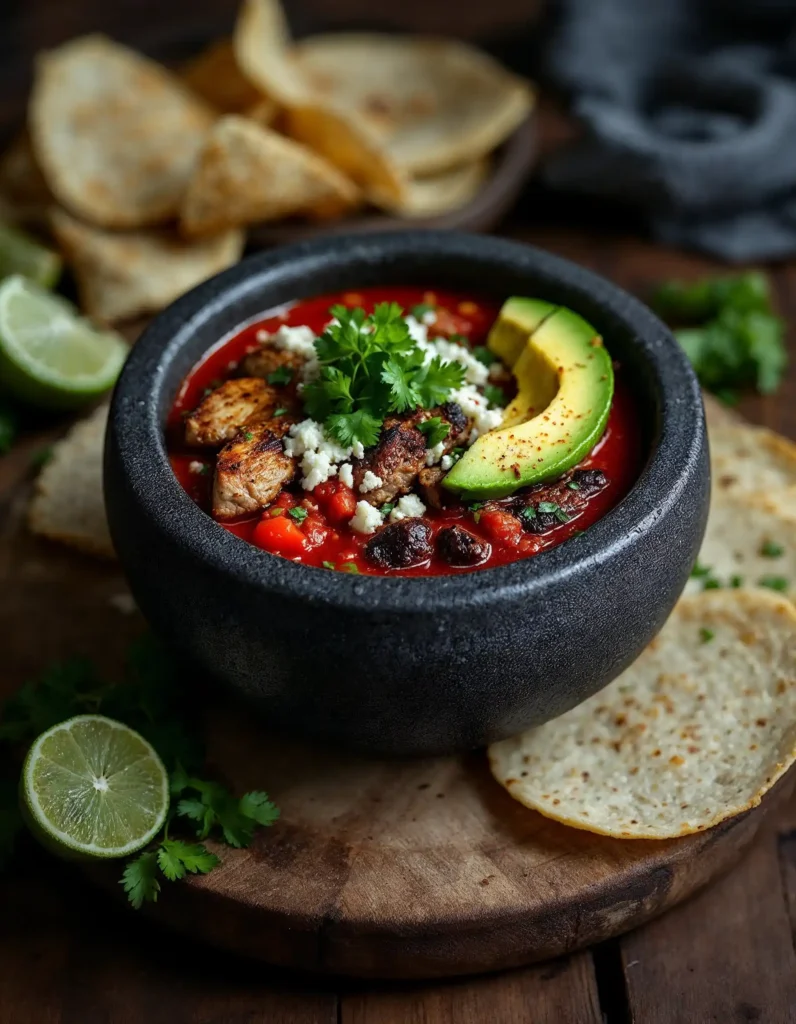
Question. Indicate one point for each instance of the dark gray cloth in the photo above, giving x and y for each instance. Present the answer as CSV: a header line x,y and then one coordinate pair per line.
x,y
690,115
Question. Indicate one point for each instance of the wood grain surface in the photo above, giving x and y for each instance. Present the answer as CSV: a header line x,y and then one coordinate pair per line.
x,y
68,955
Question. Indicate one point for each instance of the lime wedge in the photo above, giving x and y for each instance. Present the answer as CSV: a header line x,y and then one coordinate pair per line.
x,y
49,355
21,254
94,787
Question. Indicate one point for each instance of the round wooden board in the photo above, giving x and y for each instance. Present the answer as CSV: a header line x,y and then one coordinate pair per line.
x,y
377,869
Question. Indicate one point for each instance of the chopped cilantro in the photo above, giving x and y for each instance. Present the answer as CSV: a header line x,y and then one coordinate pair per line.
x,y
298,513
706,635
562,516
247,435
711,583
476,505
456,454
483,355
770,549
328,565
495,396
573,486
349,567
281,375
774,582
699,571
280,411
736,582
371,367
739,340
420,310
477,516
529,512
549,507
435,429
387,507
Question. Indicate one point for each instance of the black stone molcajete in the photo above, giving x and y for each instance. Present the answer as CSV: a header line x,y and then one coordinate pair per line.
x,y
408,666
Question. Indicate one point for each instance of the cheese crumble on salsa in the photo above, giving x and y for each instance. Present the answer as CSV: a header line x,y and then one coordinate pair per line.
x,y
323,433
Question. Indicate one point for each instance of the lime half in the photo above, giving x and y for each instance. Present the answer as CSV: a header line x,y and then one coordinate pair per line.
x,y
21,254
94,787
49,355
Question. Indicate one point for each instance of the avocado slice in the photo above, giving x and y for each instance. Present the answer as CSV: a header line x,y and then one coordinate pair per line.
x,y
518,319
566,383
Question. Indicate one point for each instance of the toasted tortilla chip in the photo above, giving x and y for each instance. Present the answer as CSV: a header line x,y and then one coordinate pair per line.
x,y
440,193
68,505
433,103
215,76
247,174
23,188
750,542
750,460
697,730
120,276
717,414
115,134
263,51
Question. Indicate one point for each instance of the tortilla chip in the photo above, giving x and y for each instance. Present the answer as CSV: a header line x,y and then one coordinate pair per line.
x,y
23,189
262,48
694,732
717,414
215,76
120,276
433,103
115,134
440,193
750,541
68,504
248,174
265,112
750,460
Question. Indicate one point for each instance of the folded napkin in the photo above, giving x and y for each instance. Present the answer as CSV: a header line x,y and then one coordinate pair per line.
x,y
690,115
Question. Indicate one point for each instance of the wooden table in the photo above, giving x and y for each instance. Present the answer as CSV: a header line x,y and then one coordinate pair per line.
x,y
67,956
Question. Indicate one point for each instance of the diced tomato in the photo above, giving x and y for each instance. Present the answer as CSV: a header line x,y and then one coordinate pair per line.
x,y
336,500
501,527
283,500
281,536
315,530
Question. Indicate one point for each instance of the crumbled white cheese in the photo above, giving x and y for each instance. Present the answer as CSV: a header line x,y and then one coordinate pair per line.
x,y
196,467
474,404
345,474
319,453
408,507
300,340
450,351
358,450
370,481
433,455
446,462
367,518
429,317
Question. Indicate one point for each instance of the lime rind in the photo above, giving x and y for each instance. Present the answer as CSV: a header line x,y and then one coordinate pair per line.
x,y
22,254
49,355
100,778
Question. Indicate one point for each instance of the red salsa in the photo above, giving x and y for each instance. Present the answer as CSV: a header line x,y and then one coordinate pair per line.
x,y
313,525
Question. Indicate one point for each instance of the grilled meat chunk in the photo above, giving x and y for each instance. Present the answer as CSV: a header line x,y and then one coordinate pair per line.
x,y
400,455
267,359
567,496
400,545
252,469
429,486
220,415
396,459
458,547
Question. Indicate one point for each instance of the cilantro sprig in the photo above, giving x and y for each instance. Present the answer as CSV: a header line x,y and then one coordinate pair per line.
x,y
150,700
371,367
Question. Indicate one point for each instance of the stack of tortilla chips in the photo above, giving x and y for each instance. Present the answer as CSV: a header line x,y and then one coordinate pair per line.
x,y
148,178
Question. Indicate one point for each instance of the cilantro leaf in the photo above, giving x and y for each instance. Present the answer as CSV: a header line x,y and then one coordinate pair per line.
x,y
420,310
348,428
436,380
780,583
175,858
298,513
483,355
704,299
770,549
140,879
257,806
495,396
435,429
706,635
281,375
403,393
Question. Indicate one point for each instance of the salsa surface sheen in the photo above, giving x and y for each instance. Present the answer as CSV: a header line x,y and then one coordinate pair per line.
x,y
618,453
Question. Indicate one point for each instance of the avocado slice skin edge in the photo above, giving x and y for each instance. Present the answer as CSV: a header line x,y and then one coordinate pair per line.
x,y
565,388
